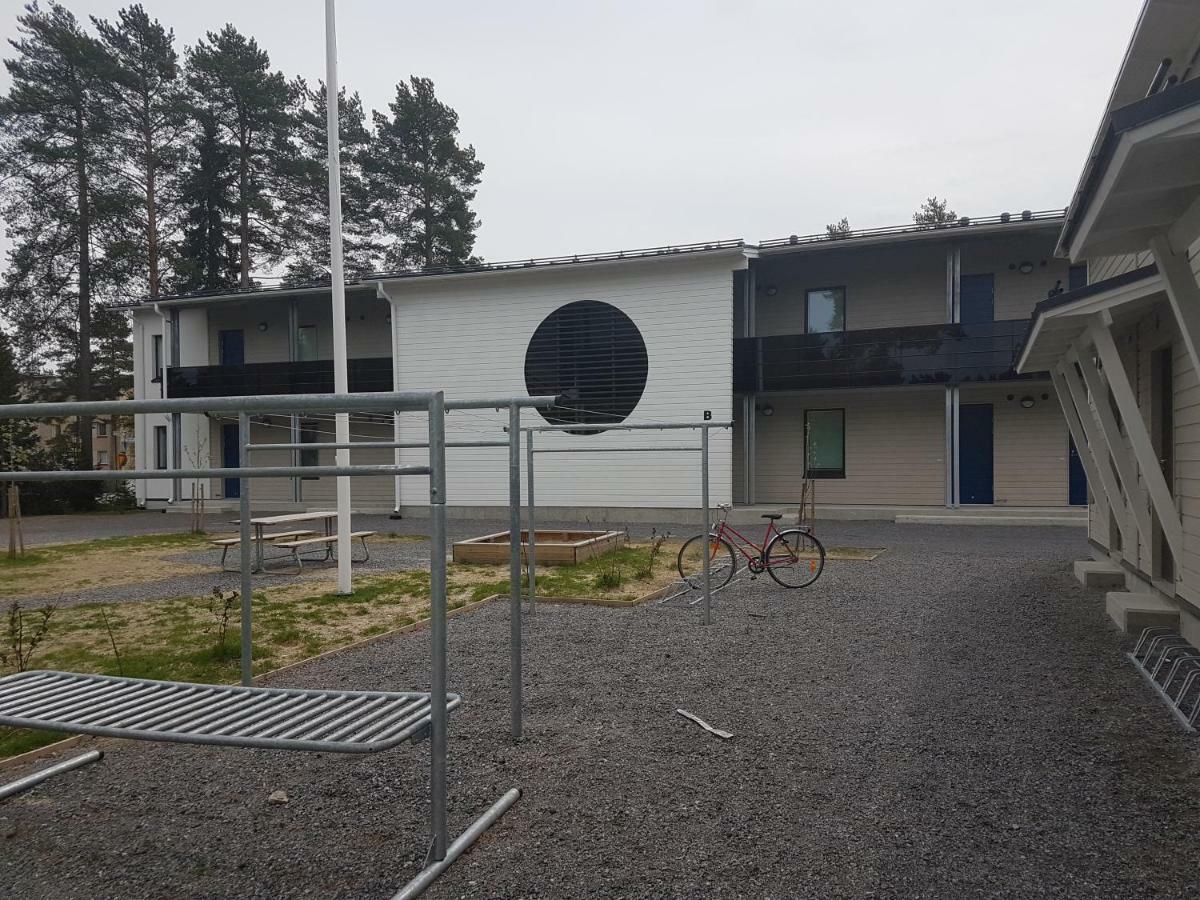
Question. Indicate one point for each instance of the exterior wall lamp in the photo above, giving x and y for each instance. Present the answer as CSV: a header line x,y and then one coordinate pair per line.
x,y
767,410
262,326
1027,402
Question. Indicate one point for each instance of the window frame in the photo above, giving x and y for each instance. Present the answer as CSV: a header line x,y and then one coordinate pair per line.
x,y
156,358
101,428
808,292
309,457
315,344
160,448
839,473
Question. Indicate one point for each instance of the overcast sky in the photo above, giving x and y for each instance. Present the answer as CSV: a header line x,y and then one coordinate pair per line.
x,y
613,125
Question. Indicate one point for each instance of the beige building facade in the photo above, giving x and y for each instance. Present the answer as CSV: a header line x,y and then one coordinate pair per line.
x,y
1124,351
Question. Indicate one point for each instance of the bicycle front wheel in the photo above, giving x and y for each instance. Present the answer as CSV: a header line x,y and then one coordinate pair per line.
x,y
722,562
795,558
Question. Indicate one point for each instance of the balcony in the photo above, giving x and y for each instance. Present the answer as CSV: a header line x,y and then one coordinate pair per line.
x,y
880,357
313,377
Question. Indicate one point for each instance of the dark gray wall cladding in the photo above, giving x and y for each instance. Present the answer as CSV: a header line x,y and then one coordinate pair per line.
x,y
592,353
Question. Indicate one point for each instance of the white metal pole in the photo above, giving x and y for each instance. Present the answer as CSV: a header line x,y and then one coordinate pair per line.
x,y
341,379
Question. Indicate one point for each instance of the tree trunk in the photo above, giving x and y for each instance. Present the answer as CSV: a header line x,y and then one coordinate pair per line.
x,y
244,203
83,194
151,203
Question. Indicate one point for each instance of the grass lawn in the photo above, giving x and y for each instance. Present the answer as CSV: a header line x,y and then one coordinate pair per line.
x,y
196,638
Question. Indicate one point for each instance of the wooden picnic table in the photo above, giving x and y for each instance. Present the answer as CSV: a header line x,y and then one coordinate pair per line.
x,y
328,516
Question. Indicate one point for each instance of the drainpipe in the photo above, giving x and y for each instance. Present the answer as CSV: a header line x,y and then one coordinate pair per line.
x,y
382,294
294,420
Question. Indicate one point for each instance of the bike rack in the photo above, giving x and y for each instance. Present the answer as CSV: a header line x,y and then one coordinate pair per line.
x,y
1154,648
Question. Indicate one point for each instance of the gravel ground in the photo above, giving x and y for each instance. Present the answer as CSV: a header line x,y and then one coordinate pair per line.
x,y
952,720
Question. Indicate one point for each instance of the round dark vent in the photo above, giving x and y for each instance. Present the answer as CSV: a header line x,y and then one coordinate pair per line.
x,y
592,354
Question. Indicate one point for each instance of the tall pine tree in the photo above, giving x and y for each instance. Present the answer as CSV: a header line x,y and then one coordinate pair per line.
x,y
233,83
149,122
423,180
307,199
57,132
207,256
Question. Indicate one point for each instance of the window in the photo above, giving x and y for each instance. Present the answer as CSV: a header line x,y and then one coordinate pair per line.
x,y
101,459
825,443
160,446
310,435
306,343
101,428
825,310
594,355
156,358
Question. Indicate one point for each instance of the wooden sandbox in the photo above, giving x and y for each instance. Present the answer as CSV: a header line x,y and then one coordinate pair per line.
x,y
554,548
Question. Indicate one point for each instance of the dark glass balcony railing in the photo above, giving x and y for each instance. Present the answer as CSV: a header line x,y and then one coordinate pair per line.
x,y
313,377
880,357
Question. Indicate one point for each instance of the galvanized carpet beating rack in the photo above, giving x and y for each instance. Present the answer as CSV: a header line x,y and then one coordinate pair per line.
x,y
1167,661
702,427
278,718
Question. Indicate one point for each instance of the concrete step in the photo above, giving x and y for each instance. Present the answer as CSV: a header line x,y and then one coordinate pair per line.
x,y
1066,521
1098,573
1133,611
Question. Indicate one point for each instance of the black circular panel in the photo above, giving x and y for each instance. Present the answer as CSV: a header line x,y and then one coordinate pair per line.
x,y
594,355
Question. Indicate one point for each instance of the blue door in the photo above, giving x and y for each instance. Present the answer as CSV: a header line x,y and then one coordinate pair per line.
x,y
231,347
1076,478
230,459
977,299
975,453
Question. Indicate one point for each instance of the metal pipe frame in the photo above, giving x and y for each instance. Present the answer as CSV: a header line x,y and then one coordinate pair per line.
x,y
640,426
435,405
363,401
244,550
616,449
374,445
704,427
23,784
430,873
437,625
247,472
514,566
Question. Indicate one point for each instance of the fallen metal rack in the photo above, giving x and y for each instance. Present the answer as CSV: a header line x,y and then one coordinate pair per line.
x,y
276,718
223,715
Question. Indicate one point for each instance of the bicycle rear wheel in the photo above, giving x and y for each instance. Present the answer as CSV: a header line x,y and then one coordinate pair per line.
x,y
795,558
722,561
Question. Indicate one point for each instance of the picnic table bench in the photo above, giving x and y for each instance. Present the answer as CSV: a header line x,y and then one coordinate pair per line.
x,y
329,541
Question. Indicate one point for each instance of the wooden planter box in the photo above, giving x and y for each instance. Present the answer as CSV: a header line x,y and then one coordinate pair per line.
x,y
554,548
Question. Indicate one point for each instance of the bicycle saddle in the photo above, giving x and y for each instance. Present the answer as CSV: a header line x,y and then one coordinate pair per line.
x,y
772,516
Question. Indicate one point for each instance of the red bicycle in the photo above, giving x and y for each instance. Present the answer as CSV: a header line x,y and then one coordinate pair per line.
x,y
793,558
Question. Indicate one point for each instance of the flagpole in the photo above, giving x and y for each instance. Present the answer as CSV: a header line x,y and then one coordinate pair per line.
x,y
338,283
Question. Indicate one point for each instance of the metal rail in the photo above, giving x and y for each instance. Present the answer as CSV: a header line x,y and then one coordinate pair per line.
x,y
374,445
23,784
704,427
238,472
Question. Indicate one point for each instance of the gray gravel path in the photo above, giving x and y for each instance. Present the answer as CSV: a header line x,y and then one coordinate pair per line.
x,y
952,720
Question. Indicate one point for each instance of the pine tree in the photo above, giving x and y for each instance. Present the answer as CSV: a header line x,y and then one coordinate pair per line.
x,y
307,216
935,212
58,137
423,180
149,121
207,257
18,437
839,229
231,77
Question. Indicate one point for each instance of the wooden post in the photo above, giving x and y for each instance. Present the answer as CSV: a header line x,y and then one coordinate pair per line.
x,y
16,539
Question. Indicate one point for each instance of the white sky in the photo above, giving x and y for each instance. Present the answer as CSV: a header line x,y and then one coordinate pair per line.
x,y
622,124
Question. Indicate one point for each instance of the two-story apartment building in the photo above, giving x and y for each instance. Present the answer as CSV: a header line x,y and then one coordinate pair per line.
x,y
1124,351
889,353
879,363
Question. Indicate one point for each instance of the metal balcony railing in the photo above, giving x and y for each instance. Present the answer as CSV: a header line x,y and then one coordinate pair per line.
x,y
311,377
880,357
